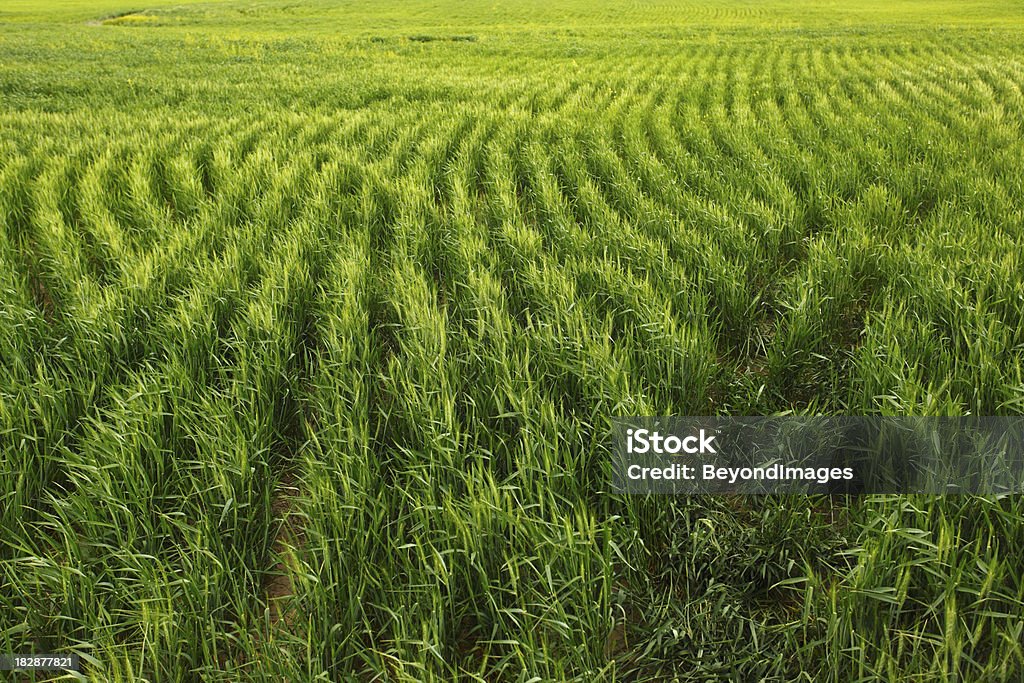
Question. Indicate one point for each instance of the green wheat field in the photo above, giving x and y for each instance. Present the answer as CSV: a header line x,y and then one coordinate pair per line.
x,y
314,316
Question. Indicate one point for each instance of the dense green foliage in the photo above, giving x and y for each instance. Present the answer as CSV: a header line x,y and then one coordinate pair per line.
x,y
313,317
